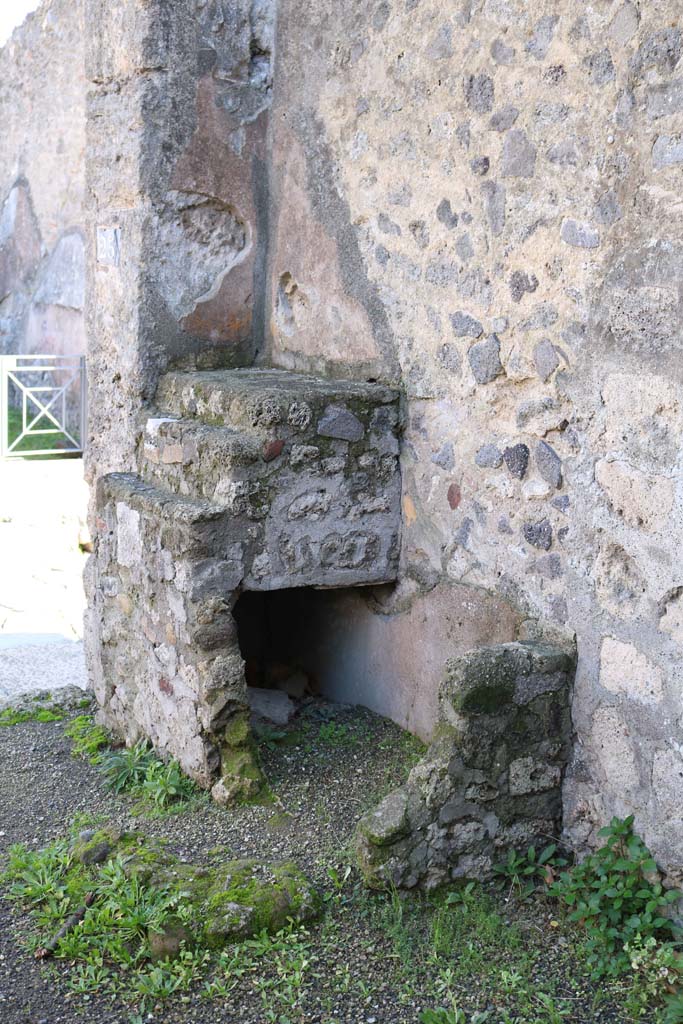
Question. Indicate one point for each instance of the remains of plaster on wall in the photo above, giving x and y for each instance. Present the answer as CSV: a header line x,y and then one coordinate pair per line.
x,y
671,615
20,242
626,671
63,282
128,538
291,305
643,502
643,416
643,318
620,585
199,241
611,741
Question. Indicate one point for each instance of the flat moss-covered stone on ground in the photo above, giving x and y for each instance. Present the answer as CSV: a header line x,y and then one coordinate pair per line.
x,y
247,897
223,902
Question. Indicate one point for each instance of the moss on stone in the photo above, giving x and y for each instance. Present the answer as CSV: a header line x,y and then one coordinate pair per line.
x,y
484,698
241,775
249,896
224,902
95,847
237,732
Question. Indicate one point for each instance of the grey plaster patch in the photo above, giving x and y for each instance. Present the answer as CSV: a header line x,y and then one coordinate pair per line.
x,y
201,239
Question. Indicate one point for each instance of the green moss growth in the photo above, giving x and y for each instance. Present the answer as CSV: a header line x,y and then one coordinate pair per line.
x,y
89,740
10,717
237,732
484,698
241,776
95,847
249,897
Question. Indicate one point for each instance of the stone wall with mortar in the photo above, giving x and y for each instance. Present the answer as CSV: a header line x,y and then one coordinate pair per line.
x,y
481,204
42,183
483,200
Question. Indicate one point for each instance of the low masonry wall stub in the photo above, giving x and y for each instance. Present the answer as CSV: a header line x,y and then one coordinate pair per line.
x,y
491,779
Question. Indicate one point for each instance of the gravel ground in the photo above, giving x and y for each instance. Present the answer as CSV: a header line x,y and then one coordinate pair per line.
x,y
366,961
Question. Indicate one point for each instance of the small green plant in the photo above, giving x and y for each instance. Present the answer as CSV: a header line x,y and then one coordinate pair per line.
x,y
613,894
109,950
462,896
89,740
10,717
656,970
443,1016
553,1011
523,870
339,876
511,981
126,769
673,1010
333,732
138,771
165,783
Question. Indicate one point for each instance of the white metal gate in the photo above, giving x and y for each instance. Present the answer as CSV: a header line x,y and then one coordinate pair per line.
x,y
42,405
